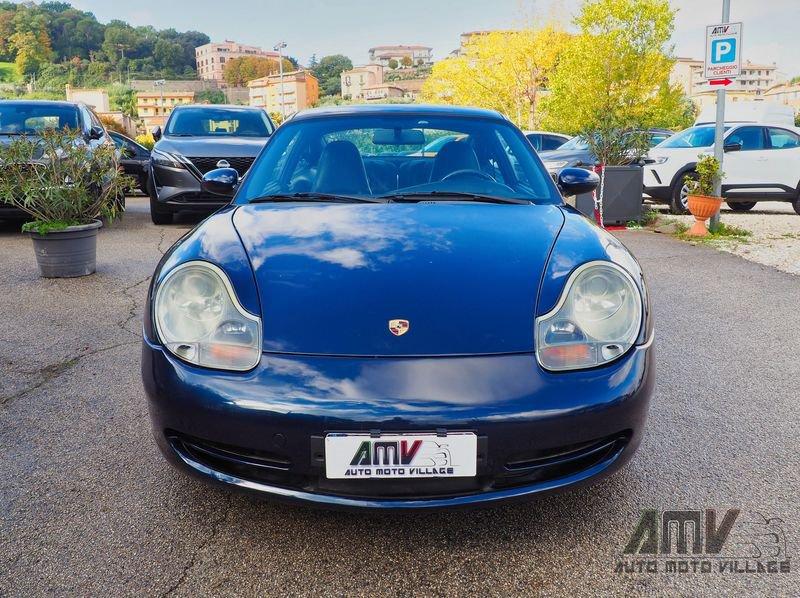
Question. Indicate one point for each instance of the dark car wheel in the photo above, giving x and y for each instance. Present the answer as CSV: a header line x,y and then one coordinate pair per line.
x,y
741,206
158,215
680,193
796,205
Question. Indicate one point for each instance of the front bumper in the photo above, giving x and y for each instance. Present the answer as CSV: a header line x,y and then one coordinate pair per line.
x,y
180,188
261,431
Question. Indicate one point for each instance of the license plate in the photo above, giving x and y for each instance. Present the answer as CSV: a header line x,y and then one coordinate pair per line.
x,y
361,456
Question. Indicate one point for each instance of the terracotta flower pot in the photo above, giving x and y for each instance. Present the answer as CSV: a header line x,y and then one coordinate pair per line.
x,y
702,208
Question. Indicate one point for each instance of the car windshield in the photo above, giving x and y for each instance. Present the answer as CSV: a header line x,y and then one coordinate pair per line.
x,y
398,157
218,122
30,119
576,143
692,137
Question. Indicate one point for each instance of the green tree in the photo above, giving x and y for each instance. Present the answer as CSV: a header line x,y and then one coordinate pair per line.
x,y
32,51
329,73
617,70
168,55
393,64
210,96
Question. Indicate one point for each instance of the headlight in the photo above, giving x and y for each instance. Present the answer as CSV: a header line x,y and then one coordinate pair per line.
x,y
200,320
165,159
555,165
596,320
660,159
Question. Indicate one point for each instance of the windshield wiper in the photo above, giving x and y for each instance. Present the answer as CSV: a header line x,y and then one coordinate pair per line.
x,y
321,197
445,195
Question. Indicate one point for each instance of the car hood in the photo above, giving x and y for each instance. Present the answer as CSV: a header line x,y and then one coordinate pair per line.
x,y
330,277
568,155
212,147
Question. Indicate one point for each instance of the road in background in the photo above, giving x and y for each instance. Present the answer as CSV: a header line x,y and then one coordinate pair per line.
x,y
89,507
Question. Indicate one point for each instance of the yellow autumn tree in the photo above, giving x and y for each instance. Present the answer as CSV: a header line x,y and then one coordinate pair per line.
x,y
508,71
617,70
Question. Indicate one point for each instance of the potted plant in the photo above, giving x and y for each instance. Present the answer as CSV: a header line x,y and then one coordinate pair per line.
x,y
65,187
701,199
617,146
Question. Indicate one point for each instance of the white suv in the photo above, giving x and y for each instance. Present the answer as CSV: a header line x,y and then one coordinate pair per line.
x,y
762,163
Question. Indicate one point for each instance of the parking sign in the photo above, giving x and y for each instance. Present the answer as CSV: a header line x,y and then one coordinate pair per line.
x,y
723,50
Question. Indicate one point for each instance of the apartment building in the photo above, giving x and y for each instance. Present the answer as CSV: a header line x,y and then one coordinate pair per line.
x,y
300,91
754,80
211,58
785,93
355,80
419,55
155,107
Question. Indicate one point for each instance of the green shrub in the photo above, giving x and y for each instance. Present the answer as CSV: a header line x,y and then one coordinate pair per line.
x,y
58,181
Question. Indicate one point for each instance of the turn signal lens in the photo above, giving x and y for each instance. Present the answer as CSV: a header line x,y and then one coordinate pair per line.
x,y
596,320
200,320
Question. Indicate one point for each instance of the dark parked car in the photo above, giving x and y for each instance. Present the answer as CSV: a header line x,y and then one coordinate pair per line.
x,y
134,158
576,153
368,326
543,141
30,117
195,140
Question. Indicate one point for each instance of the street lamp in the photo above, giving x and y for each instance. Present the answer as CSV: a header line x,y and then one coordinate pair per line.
x,y
279,49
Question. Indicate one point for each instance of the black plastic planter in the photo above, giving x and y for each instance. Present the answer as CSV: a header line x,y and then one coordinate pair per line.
x,y
622,195
67,253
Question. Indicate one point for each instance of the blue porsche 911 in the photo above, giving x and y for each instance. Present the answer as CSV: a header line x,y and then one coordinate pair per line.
x,y
370,325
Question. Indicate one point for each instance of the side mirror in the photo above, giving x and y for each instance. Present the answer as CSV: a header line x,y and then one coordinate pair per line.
x,y
156,132
96,132
732,147
221,181
574,181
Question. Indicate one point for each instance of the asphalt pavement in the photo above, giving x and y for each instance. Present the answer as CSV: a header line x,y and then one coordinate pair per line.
x,y
89,507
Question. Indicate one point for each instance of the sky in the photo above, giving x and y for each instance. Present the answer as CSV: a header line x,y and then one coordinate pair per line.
x,y
351,27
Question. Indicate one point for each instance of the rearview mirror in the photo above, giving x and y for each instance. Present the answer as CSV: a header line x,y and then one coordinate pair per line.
x,y
156,132
221,181
96,132
732,147
574,181
398,136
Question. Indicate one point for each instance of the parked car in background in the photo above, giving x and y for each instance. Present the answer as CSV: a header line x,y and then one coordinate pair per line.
x,y
195,140
762,163
543,141
134,158
576,152
30,117
756,111
364,327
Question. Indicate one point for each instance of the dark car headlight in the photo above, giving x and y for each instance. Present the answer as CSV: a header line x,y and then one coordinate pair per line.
x,y
166,159
596,320
199,319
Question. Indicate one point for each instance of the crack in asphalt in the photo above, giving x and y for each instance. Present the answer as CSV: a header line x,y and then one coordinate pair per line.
x,y
122,324
209,538
53,371
161,241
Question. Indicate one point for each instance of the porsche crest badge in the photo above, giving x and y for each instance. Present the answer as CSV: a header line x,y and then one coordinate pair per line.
x,y
399,327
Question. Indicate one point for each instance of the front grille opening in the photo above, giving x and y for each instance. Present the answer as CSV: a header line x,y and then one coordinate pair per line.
x,y
553,463
239,462
204,164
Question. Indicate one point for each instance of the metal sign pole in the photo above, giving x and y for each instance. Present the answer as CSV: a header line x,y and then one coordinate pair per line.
x,y
720,124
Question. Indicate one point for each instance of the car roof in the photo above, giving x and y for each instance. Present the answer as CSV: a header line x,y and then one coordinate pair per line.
x,y
217,106
400,109
63,103
527,132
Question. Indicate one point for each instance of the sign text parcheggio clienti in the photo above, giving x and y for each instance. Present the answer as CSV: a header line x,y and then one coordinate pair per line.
x,y
723,50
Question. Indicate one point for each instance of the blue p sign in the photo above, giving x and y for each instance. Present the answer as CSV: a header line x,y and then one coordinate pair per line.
x,y
723,50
